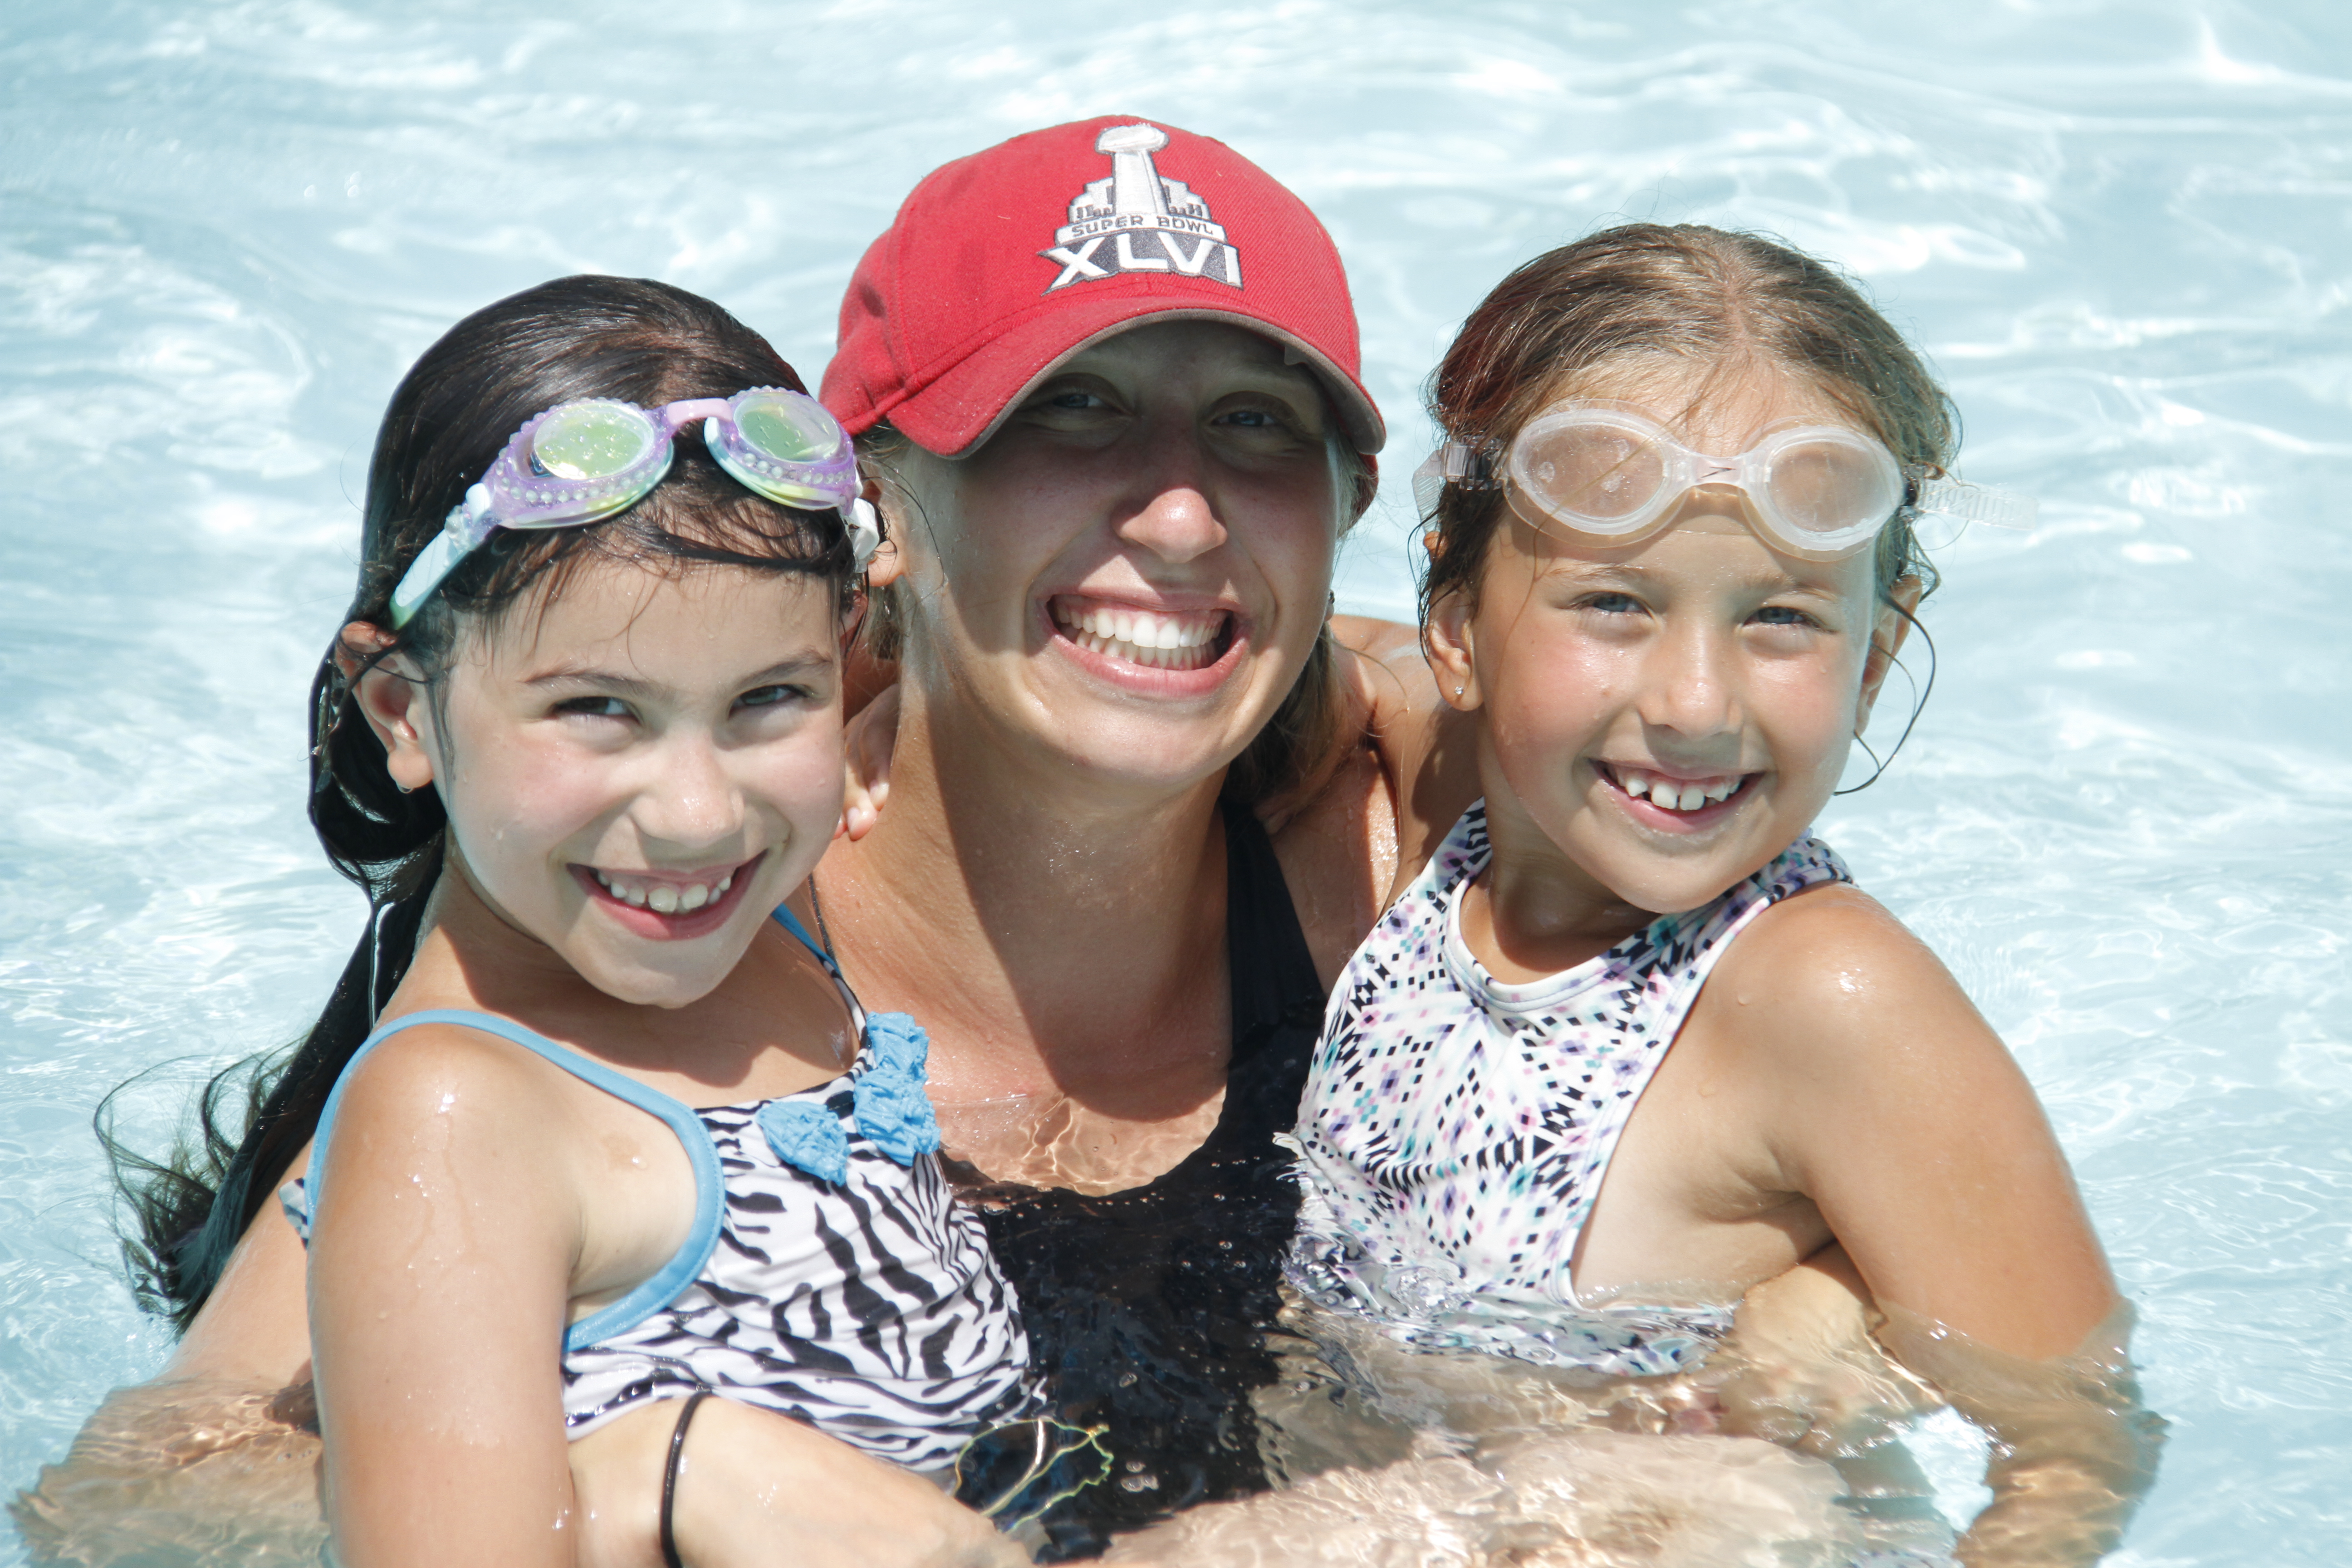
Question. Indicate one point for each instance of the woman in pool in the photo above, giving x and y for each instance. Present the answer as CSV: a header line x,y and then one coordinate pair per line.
x,y
1106,375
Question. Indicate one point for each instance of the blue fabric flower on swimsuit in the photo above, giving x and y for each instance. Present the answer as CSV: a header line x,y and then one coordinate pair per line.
x,y
892,1108
807,1138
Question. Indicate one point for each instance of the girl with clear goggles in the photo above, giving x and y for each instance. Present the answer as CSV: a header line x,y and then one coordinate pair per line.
x,y
581,461
1606,476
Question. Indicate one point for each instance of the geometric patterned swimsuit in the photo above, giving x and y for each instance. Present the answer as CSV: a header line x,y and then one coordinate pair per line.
x,y
1456,1129
828,1275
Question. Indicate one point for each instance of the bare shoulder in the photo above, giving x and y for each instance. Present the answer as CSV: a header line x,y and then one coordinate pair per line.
x,y
1427,749
1829,986
1338,854
454,1097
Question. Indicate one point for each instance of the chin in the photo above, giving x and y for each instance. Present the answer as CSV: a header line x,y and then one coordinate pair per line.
x,y
1147,756
643,987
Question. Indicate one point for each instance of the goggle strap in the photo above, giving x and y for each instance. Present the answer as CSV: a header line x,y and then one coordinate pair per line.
x,y
1977,503
469,523
865,531
1454,463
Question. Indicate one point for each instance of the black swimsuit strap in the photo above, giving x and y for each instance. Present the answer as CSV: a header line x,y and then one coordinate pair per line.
x,y
1271,966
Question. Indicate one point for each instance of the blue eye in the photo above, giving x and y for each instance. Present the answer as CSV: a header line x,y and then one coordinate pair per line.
x,y
1784,615
775,696
1614,604
595,707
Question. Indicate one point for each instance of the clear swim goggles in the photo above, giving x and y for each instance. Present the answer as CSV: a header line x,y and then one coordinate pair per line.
x,y
581,461
1603,475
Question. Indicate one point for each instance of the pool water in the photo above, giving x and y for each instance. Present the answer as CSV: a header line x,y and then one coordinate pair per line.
x,y
2122,230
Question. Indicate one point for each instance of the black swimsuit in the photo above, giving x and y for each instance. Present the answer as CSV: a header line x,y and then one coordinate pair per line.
x,y
1147,1309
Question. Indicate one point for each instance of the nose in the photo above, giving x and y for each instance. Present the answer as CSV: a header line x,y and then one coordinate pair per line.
x,y
687,802
1168,510
1688,684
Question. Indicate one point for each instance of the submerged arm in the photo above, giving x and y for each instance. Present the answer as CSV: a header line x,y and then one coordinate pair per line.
x,y
1905,1121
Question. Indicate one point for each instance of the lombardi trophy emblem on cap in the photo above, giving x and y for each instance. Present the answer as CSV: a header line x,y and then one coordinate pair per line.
x,y
1136,219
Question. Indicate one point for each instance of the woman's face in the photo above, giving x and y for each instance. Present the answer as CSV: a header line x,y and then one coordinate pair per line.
x,y
1129,577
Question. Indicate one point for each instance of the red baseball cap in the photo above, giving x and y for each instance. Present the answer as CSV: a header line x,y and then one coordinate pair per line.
x,y
1001,265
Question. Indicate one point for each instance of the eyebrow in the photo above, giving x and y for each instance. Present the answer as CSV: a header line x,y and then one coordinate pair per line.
x,y
630,686
1626,573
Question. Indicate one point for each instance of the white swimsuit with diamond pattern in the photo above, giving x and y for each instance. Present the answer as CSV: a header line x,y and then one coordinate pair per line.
x,y
1456,1128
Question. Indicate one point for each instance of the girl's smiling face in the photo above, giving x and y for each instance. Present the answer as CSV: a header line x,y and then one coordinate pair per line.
x,y
1661,720
637,774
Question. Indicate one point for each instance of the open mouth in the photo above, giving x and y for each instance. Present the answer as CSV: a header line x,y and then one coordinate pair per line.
x,y
1154,640
670,904
1684,798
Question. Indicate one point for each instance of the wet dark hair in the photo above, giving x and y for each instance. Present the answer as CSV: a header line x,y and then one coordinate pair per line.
x,y
633,338
1706,297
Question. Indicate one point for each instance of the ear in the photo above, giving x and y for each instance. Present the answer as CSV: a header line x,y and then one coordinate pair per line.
x,y
888,565
391,697
1449,641
1894,624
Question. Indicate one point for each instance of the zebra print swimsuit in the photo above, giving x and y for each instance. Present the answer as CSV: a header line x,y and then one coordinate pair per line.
x,y
829,1276
1456,1128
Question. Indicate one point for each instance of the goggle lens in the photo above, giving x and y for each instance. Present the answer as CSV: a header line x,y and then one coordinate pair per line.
x,y
591,441
1832,487
1597,474
787,432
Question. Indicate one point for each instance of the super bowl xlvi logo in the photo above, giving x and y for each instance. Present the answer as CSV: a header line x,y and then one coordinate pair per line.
x,y
1139,220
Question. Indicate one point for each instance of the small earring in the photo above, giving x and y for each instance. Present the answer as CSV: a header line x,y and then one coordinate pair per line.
x,y
401,787
1457,691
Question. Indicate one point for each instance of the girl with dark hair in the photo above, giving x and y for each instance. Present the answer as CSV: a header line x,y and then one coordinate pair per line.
x,y
582,1128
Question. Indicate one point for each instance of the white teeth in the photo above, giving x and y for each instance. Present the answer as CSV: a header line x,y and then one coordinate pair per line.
x,y
1142,636
1672,795
664,898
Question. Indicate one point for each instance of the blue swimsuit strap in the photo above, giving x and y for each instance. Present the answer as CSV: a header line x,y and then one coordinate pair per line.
x,y
791,923
660,1289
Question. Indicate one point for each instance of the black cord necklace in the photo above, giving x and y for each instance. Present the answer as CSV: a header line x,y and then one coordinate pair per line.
x,y
824,933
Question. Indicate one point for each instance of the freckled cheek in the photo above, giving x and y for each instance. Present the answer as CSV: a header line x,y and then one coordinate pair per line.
x,y
1810,714
805,787
1552,694
515,810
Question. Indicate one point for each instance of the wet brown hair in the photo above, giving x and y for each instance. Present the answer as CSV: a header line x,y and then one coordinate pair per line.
x,y
1715,300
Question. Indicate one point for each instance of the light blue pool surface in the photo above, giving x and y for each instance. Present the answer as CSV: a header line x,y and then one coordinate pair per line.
x,y
2122,230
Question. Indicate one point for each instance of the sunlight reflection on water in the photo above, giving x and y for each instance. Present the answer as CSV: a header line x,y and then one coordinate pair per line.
x,y
2120,229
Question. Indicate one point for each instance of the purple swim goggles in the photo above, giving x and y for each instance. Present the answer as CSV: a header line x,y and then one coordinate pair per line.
x,y
581,461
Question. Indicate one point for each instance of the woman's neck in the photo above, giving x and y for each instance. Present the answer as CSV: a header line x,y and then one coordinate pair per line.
x,y
1056,934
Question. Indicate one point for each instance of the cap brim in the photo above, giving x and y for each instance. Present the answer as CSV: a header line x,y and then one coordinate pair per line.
x,y
961,408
